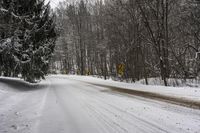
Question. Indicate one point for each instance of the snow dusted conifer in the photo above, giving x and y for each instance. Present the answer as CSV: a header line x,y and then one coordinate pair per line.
x,y
32,38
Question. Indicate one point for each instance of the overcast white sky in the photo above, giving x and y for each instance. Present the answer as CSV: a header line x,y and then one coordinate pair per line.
x,y
54,3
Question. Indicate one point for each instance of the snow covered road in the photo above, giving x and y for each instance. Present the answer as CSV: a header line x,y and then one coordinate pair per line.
x,y
62,105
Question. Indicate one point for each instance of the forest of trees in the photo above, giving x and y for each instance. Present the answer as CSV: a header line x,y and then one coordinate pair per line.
x,y
130,39
121,39
27,38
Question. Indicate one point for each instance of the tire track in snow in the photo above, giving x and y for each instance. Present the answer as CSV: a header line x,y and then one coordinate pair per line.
x,y
41,108
92,94
103,103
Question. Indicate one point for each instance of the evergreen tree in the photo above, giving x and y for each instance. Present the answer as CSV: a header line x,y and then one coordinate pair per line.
x,y
28,41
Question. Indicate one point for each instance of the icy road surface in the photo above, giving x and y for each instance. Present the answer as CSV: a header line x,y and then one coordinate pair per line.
x,y
63,105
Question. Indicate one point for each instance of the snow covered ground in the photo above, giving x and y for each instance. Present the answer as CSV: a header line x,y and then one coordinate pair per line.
x,y
182,92
70,104
172,82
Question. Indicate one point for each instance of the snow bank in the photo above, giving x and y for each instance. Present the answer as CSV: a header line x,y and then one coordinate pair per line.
x,y
173,82
191,93
20,85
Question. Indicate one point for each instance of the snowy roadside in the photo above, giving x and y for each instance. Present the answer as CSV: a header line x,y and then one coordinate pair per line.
x,y
21,105
65,104
188,94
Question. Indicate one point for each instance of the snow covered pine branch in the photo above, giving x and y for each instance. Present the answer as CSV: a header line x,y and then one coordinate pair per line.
x,y
27,39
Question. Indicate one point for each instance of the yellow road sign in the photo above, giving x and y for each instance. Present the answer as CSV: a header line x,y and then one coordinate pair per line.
x,y
121,69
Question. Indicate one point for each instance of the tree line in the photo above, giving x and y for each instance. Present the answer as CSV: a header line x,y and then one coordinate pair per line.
x,y
147,38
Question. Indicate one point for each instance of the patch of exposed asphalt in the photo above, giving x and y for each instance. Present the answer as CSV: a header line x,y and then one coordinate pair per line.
x,y
181,101
195,104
